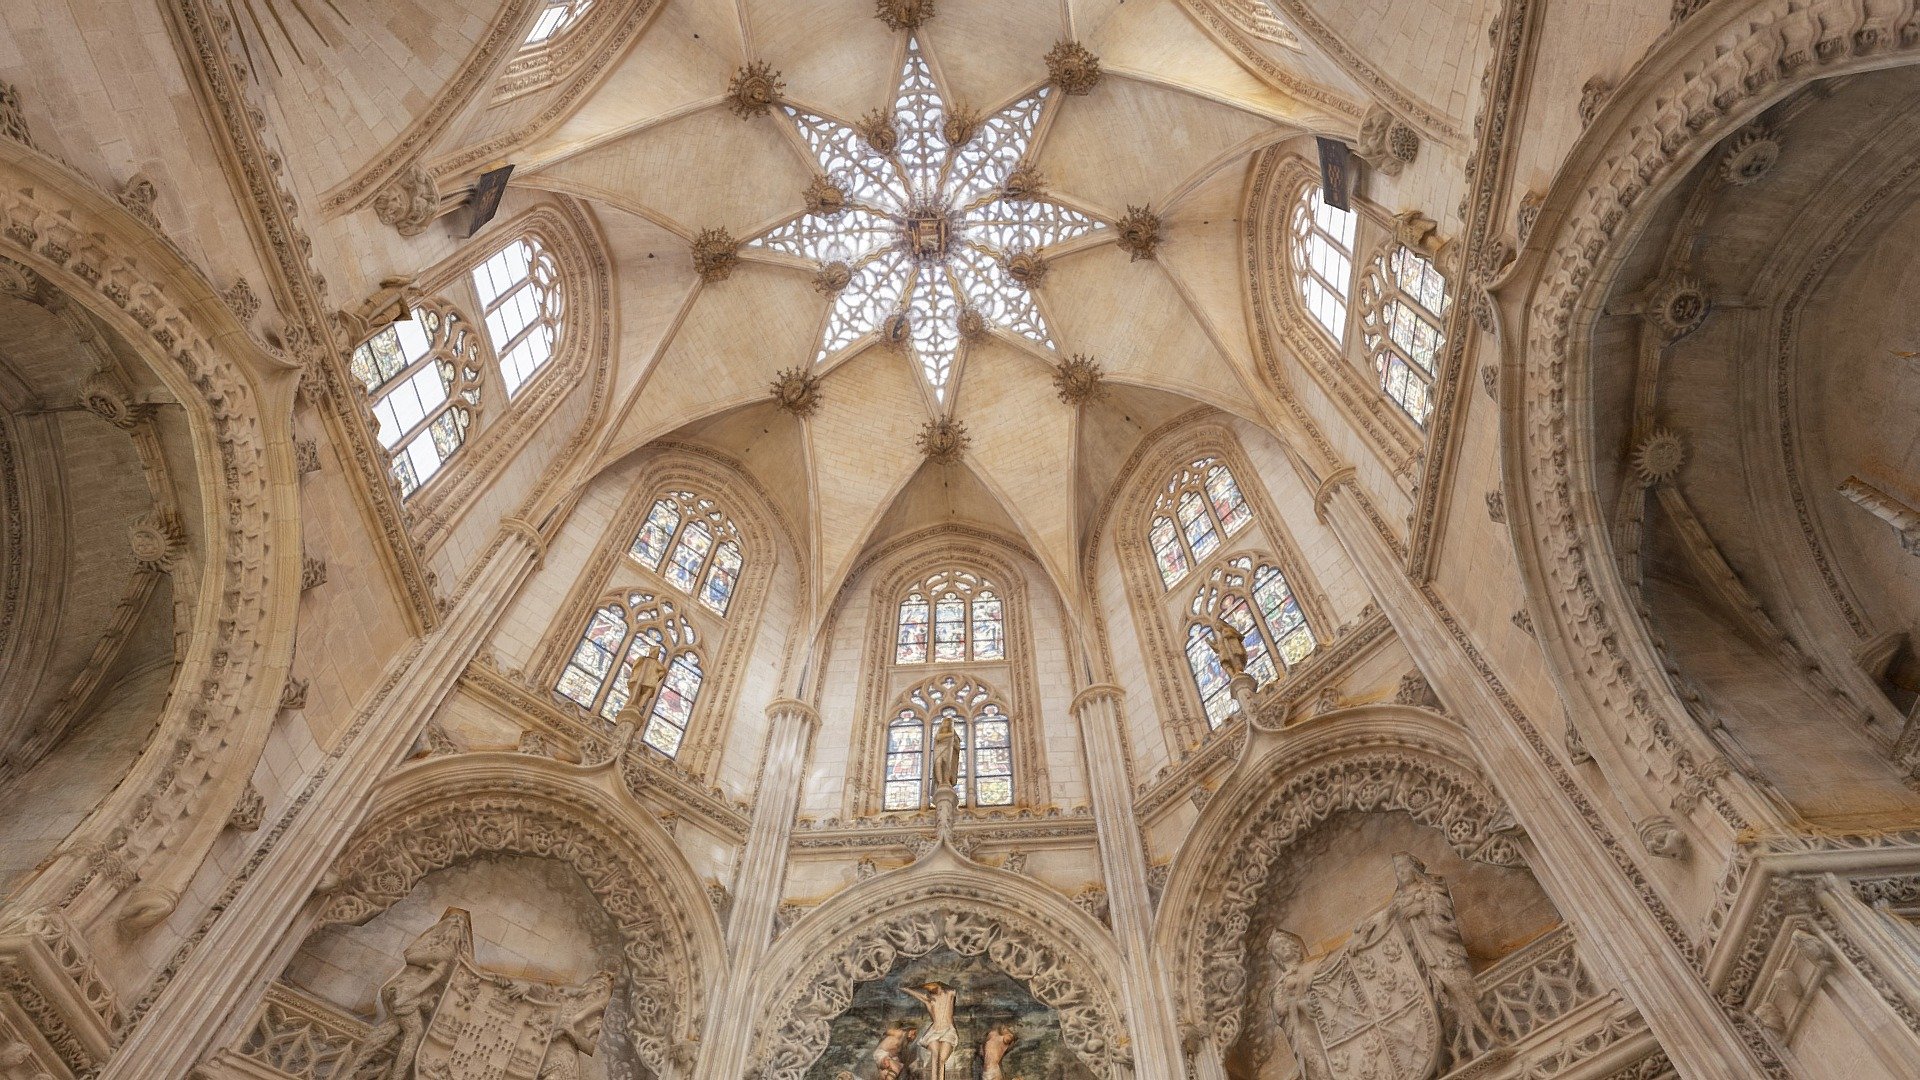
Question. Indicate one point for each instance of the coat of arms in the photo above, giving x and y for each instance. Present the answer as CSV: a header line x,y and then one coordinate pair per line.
x,y
448,1019
1395,1002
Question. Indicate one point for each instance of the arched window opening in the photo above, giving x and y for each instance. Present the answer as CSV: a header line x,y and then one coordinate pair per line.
x,y
1271,626
985,730
521,300
950,618
597,675
556,18
1323,260
424,375
689,541
1205,500
1405,299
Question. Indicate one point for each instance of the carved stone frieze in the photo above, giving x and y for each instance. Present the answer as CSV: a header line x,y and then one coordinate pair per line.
x,y
306,456
1416,691
313,573
48,979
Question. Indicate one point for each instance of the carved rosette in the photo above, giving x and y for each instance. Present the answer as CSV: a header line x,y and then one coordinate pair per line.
x,y
971,324
832,277
754,89
103,395
1025,267
823,198
1072,69
961,125
1079,380
1680,306
409,201
157,540
1138,232
1023,183
944,441
878,130
797,390
1659,457
715,254
903,14
1750,156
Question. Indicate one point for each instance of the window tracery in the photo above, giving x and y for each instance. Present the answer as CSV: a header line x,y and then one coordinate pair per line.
x,y
1404,298
621,631
1322,249
985,729
952,617
1271,626
690,542
521,301
925,226
1205,501
424,374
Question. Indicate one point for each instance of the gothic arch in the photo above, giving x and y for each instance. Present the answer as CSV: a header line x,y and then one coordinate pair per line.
x,y
1127,512
1023,928
1712,74
894,568
449,811
585,353
769,545
1372,758
243,564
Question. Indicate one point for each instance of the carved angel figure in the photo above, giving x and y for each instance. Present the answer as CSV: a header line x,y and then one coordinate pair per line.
x,y
410,996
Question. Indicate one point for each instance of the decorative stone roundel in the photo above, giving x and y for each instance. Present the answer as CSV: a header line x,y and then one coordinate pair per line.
x,y
1680,306
1750,156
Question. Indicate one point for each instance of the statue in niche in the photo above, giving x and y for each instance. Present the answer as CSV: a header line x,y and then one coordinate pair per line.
x,y
1396,1001
946,756
447,1018
1229,647
644,681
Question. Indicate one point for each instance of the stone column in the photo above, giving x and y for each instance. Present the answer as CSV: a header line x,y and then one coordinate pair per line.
x,y
759,883
216,984
1575,864
1149,997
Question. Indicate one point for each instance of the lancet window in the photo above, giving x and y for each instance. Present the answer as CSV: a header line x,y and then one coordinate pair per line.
x,y
424,374
1323,260
520,298
1405,301
690,542
1200,510
952,617
1254,599
597,677
985,731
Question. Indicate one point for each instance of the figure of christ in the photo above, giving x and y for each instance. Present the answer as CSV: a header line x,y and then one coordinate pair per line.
x,y
999,1041
889,1058
941,1038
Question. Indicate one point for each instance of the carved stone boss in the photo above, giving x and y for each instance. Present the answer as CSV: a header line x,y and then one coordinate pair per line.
x,y
1395,1002
445,1017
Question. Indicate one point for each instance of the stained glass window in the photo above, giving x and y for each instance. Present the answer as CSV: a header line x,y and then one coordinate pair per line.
x,y
424,375
906,761
556,18
688,526
1208,676
1323,260
950,618
926,228
1206,500
624,629
1405,300
985,733
520,294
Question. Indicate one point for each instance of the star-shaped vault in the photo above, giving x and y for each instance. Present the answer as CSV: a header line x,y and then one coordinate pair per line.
x,y
917,228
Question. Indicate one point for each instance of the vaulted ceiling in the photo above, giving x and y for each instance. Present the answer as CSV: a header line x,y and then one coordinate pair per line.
x,y
663,152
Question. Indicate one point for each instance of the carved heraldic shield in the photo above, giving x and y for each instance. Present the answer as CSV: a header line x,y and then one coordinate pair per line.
x,y
488,1027
1372,1009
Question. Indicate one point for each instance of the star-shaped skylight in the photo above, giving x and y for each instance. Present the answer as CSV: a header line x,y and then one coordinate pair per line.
x,y
926,228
